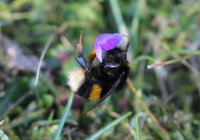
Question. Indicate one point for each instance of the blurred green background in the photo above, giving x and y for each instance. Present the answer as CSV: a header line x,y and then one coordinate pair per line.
x,y
164,87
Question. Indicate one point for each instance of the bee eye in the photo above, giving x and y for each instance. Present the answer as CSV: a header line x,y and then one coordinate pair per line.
x,y
117,55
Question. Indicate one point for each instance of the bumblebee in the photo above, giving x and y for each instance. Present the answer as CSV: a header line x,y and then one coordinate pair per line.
x,y
98,81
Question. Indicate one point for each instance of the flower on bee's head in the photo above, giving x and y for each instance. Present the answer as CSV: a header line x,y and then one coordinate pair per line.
x,y
107,41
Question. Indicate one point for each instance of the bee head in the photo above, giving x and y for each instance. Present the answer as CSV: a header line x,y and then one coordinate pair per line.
x,y
107,42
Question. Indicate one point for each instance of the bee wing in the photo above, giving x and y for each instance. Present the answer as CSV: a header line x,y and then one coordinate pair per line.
x,y
82,61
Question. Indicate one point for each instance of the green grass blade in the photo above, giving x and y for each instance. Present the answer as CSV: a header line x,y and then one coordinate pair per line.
x,y
137,129
178,52
118,17
108,127
46,47
135,25
64,116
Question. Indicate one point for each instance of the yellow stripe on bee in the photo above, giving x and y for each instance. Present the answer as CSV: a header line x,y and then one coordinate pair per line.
x,y
95,92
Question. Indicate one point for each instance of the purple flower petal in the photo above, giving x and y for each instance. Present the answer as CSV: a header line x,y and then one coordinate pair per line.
x,y
100,53
97,45
111,42
105,42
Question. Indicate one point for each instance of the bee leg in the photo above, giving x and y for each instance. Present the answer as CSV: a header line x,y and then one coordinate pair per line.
x,y
114,86
126,69
92,56
107,94
80,58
